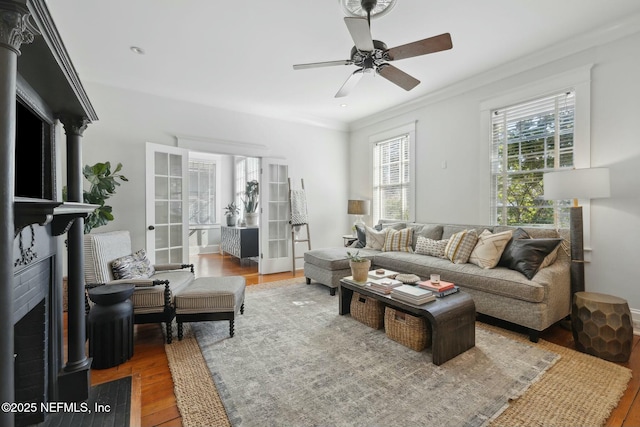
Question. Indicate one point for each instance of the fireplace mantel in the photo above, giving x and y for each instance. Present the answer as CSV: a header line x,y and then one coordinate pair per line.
x,y
29,211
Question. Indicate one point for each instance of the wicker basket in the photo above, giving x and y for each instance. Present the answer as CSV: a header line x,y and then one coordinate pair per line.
x,y
408,330
367,310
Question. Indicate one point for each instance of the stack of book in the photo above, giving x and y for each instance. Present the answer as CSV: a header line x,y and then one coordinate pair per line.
x,y
383,286
382,273
412,294
441,288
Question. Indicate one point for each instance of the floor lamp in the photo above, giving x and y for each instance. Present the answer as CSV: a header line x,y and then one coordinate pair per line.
x,y
576,184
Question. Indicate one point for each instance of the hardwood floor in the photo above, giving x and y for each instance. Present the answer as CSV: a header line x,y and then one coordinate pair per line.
x,y
149,365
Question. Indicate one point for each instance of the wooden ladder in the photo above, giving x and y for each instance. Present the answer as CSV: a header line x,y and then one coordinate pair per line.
x,y
295,240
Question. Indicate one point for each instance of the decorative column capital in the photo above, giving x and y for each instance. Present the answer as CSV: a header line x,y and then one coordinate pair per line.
x,y
74,125
15,28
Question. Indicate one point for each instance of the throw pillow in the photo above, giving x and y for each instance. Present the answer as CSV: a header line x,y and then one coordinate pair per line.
x,y
489,248
398,241
507,257
134,266
460,246
375,239
431,247
362,237
527,255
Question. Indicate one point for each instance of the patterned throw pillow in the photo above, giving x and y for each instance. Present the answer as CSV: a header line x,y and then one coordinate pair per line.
x,y
398,241
134,266
375,239
426,246
460,246
489,248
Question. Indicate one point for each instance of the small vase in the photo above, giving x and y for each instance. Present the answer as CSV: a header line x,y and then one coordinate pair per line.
x,y
231,220
360,270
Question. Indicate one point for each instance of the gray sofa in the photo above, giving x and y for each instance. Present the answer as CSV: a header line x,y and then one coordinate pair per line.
x,y
498,292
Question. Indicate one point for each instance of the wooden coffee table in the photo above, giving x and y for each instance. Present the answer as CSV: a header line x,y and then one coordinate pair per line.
x,y
452,318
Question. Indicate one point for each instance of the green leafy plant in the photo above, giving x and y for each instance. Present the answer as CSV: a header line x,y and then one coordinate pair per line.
x,y
231,209
103,185
356,257
250,199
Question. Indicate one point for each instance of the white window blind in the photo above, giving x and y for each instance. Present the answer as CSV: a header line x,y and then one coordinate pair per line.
x,y
529,139
202,192
247,169
391,178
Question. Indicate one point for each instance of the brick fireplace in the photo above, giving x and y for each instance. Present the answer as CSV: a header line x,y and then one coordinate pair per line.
x,y
36,346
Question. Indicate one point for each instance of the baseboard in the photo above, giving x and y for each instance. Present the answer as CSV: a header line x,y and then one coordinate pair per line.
x,y
635,319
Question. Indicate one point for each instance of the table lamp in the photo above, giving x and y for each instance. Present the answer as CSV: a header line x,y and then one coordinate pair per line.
x,y
358,208
576,184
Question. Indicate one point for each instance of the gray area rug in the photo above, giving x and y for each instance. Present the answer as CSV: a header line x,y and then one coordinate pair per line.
x,y
294,361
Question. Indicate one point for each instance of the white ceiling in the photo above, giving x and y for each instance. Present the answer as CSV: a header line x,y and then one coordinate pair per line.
x,y
238,55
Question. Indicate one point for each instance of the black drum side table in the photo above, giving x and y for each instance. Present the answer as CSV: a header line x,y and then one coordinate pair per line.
x,y
110,325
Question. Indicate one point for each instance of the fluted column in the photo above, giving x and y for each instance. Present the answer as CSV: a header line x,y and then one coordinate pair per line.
x,y
76,384
13,32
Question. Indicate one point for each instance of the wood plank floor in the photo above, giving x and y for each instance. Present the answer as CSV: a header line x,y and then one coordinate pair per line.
x,y
157,406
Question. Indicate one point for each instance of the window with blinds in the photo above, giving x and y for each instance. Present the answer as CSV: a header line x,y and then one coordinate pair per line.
x,y
247,169
391,178
202,192
528,140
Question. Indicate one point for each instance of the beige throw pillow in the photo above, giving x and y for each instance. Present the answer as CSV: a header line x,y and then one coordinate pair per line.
x,y
489,248
431,247
375,238
460,246
398,240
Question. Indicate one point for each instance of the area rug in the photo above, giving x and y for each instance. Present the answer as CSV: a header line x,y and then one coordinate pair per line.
x,y
295,361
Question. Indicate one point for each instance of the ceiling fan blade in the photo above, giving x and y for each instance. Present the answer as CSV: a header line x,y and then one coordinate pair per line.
x,y
397,76
421,47
360,33
351,82
322,64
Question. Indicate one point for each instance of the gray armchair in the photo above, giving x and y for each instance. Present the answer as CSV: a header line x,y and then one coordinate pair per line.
x,y
153,298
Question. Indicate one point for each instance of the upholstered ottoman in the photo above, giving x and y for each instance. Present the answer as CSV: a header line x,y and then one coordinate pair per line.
x,y
328,266
210,298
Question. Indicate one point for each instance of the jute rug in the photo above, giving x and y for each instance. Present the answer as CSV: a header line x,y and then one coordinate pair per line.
x,y
295,361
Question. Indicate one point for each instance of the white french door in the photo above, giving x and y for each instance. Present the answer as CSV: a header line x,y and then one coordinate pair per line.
x,y
275,230
167,204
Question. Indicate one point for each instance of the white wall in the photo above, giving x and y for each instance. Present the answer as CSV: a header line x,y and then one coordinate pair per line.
x,y
449,128
127,120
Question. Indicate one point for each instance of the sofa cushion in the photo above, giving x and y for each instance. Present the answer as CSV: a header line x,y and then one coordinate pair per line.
x,y
134,266
398,240
334,258
431,247
449,230
489,248
499,280
430,231
460,245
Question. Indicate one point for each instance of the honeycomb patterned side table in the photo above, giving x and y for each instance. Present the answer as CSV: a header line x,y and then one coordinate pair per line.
x,y
601,326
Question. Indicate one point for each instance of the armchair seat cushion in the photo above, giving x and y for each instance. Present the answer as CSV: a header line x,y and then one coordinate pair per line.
x,y
150,299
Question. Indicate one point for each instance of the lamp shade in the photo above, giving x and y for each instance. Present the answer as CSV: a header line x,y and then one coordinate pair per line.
x,y
358,207
590,183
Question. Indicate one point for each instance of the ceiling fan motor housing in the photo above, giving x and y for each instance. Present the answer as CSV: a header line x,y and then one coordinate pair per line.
x,y
370,59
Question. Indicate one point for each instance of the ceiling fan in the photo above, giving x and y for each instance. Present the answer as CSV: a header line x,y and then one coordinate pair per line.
x,y
373,56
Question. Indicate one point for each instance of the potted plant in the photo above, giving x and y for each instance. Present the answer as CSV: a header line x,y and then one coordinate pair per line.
x,y
250,202
359,266
103,185
231,211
